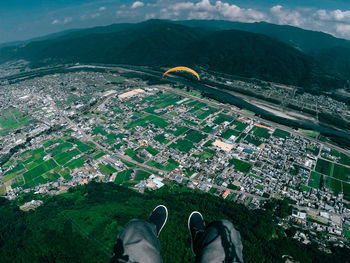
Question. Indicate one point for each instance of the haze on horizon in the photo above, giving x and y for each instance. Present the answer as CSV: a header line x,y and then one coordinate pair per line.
x,y
22,19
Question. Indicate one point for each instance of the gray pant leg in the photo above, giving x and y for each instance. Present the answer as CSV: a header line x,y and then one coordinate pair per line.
x,y
220,242
137,242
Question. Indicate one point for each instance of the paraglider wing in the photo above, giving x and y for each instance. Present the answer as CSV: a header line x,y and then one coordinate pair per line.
x,y
181,69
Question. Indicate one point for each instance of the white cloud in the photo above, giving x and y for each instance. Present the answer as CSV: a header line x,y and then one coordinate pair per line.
x,y
333,15
95,15
343,30
285,16
150,16
102,8
137,4
337,22
67,20
55,22
205,10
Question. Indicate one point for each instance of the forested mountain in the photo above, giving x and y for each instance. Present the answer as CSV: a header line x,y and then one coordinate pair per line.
x,y
81,226
208,44
333,53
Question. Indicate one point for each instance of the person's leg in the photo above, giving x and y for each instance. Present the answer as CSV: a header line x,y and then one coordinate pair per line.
x,y
217,242
138,241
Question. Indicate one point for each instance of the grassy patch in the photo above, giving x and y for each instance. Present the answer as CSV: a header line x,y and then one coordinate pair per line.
x,y
281,133
123,176
309,133
152,150
141,175
39,170
240,165
222,118
98,155
77,163
261,132
161,138
333,184
239,126
182,145
106,169
324,167
195,136
66,156
133,155
253,141
315,180
228,133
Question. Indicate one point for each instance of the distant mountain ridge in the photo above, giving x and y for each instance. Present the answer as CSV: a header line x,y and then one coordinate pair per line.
x,y
270,52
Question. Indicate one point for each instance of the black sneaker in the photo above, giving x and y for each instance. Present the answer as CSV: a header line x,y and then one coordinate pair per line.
x,y
158,217
196,226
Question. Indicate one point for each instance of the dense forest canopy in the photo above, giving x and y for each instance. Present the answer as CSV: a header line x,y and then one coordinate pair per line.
x,y
81,226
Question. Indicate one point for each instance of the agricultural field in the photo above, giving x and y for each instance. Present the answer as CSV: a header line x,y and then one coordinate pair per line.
x,y
161,138
11,119
253,141
315,180
204,114
222,118
341,172
342,158
261,132
281,134
123,176
57,158
334,185
240,165
324,167
194,136
204,155
178,131
171,165
239,126
133,154
228,133
310,133
207,129
106,169
141,175
313,149
182,145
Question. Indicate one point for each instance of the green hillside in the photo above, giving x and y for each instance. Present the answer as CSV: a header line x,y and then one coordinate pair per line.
x,y
81,226
163,43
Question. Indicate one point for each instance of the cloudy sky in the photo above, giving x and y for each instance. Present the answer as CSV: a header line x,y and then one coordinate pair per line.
x,y
24,19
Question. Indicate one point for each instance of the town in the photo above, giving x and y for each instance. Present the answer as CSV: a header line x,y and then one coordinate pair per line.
x,y
65,129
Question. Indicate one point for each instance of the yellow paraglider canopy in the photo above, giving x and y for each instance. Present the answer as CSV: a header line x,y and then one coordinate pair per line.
x,y
181,69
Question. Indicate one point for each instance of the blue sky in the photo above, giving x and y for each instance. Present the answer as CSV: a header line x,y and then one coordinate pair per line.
x,y
25,19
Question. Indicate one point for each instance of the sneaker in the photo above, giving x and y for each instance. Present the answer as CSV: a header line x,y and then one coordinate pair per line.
x,y
158,217
196,226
